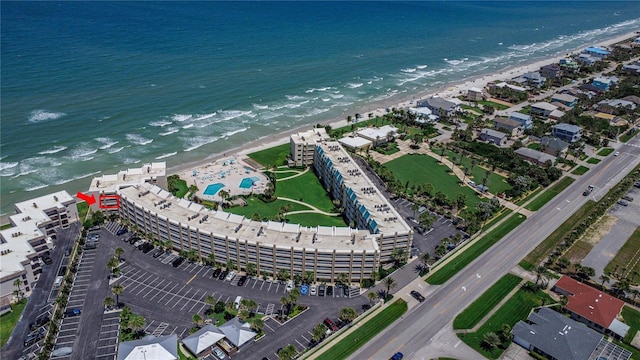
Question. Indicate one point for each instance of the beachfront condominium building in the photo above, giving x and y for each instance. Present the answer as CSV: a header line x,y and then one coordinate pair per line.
x,y
109,184
303,145
30,236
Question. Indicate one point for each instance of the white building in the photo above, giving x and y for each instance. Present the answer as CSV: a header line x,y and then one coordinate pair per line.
x,y
379,136
303,145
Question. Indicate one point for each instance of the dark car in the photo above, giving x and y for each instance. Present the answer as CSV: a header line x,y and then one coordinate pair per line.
x,y
397,356
122,231
623,203
242,280
223,275
216,272
330,324
72,312
34,337
177,262
345,291
147,247
321,290
62,271
157,253
47,260
416,295
329,290
40,321
67,251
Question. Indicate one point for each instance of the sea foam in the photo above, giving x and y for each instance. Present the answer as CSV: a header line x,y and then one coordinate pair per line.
x,y
53,150
39,115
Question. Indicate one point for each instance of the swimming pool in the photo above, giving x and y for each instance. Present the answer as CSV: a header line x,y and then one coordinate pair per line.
x,y
247,183
213,189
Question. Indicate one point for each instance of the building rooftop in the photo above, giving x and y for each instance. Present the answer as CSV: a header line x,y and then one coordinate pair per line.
x,y
374,133
12,254
202,339
151,347
590,303
557,335
438,103
544,105
564,98
535,154
521,116
310,136
506,121
220,223
237,332
112,182
494,133
567,127
354,142
554,143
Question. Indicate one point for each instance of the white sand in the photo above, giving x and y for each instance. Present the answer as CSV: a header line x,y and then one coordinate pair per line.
x,y
449,91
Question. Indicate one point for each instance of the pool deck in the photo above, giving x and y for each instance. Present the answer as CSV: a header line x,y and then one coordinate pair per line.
x,y
228,171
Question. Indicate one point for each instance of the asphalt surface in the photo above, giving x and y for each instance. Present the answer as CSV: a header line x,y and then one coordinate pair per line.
x,y
418,334
41,297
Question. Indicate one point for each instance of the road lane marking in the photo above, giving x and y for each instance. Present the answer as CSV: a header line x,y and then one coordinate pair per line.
x,y
193,277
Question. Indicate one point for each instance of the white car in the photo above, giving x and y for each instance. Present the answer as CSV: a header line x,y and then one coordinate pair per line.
x,y
230,275
218,353
289,285
616,153
313,290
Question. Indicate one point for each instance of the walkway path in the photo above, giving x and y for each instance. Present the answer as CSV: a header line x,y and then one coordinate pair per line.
x,y
298,173
313,208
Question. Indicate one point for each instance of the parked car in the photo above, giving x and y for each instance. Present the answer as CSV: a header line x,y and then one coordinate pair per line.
x,y
416,295
94,228
72,312
219,353
138,243
67,251
216,273
47,260
397,356
230,275
313,290
330,324
223,275
177,262
40,321
289,285
34,337
157,253
627,197
242,280
122,231
329,290
62,270
616,153
63,351
146,247
623,203
321,289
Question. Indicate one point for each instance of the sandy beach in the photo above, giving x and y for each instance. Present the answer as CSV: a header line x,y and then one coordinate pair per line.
x,y
446,91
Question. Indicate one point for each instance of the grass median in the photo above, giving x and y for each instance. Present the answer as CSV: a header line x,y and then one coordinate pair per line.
x,y
9,321
469,254
365,332
549,194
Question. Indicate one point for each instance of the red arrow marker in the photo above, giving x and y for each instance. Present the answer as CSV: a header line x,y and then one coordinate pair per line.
x,y
89,199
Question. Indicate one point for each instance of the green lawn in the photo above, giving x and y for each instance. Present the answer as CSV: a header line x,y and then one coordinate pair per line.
x,y
580,170
605,151
494,104
593,161
530,196
306,188
5,226
182,187
628,257
9,321
515,309
470,253
503,214
366,332
83,209
496,183
314,219
534,146
486,302
632,318
549,194
274,156
267,210
422,169
628,135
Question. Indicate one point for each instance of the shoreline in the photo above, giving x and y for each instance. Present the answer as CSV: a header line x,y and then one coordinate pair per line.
x,y
446,91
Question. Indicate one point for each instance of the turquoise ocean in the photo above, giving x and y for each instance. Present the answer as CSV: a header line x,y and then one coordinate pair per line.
x,y
96,87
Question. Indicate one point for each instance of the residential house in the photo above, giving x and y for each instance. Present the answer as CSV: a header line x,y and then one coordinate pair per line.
x,y
501,85
631,69
596,51
542,108
592,307
553,146
587,59
556,114
492,136
379,136
525,120
551,71
569,64
567,132
555,336
439,106
590,88
532,78
534,156
150,347
423,114
475,94
615,106
565,99
612,119
512,127
201,342
604,82
634,99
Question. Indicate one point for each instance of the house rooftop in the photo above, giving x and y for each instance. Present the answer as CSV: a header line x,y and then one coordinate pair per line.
x,y
354,142
150,347
506,121
554,143
567,127
494,133
564,98
590,303
521,116
544,105
535,154
373,133
202,339
439,103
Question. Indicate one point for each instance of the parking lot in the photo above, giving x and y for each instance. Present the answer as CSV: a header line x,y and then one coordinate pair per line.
x,y
108,340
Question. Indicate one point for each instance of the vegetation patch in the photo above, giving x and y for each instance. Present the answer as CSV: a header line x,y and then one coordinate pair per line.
x,y
315,219
495,105
593,161
605,151
469,254
629,135
83,209
515,309
583,246
177,186
496,183
366,332
549,194
495,220
580,170
631,317
305,188
486,302
529,196
259,210
8,321
274,156
628,257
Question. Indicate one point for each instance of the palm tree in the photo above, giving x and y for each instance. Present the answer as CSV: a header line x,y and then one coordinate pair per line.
x,y
540,271
108,302
490,340
319,332
605,279
294,295
283,274
197,319
257,324
112,263
372,297
309,276
389,283
251,269
117,290
136,322
118,252
18,283
426,259
399,255
287,353
249,304
347,314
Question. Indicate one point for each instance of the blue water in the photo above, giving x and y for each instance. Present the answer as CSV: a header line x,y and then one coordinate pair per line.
x,y
91,87
247,183
213,189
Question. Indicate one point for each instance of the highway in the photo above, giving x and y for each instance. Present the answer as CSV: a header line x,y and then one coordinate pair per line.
x,y
426,331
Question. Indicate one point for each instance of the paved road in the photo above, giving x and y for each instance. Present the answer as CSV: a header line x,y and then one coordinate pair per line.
x,y
423,332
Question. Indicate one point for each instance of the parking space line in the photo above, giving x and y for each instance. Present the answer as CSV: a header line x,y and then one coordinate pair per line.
x,y
187,302
199,300
162,280
304,347
174,295
160,291
197,266
190,280
201,268
168,292
151,323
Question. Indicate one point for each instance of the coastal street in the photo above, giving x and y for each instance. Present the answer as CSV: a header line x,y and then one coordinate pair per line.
x,y
427,333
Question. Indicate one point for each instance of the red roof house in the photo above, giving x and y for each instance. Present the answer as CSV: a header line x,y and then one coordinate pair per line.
x,y
591,306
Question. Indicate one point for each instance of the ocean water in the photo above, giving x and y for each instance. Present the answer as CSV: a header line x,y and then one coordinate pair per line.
x,y
92,87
